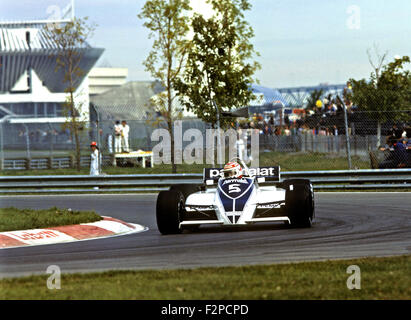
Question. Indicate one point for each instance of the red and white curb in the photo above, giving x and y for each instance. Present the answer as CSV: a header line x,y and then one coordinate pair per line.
x,y
107,227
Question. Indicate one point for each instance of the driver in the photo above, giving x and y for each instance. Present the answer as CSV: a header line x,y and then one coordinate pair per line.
x,y
232,170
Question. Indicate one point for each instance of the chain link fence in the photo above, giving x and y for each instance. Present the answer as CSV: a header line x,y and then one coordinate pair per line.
x,y
294,138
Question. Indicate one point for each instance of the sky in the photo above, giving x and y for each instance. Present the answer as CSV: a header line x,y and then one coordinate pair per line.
x,y
301,42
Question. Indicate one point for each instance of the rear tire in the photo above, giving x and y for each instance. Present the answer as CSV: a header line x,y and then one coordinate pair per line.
x,y
299,202
170,211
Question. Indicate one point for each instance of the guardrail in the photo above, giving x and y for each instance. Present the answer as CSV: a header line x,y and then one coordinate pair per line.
x,y
336,179
57,162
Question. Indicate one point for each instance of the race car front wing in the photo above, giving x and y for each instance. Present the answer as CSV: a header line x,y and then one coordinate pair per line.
x,y
205,210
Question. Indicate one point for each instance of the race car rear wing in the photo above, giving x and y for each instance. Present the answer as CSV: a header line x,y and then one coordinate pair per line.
x,y
268,174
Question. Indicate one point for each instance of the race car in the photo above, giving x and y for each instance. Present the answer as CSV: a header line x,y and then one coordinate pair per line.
x,y
237,196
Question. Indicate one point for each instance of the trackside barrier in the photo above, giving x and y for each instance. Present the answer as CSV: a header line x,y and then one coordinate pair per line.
x,y
49,163
335,180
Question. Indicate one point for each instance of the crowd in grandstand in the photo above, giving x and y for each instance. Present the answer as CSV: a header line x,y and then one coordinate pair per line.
x,y
398,139
397,148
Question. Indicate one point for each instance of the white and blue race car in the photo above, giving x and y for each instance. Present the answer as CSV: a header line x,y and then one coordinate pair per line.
x,y
240,198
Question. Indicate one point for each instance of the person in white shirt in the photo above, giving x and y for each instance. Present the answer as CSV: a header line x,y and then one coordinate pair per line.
x,y
335,130
241,150
117,137
124,135
95,159
110,143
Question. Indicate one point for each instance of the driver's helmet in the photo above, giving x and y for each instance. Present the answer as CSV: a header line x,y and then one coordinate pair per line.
x,y
232,170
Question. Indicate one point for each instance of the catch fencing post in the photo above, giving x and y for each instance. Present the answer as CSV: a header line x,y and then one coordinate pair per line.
x,y
347,137
219,155
1,146
99,144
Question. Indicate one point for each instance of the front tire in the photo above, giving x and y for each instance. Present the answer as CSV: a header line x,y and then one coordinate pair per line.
x,y
186,189
299,202
170,211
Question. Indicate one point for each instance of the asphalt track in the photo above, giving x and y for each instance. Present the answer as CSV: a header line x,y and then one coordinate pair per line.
x,y
348,225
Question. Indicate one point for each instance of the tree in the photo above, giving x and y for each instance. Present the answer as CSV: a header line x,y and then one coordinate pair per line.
x,y
218,73
378,64
313,98
384,93
169,25
71,41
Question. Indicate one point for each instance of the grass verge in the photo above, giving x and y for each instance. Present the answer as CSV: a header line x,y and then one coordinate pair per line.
x,y
381,278
22,219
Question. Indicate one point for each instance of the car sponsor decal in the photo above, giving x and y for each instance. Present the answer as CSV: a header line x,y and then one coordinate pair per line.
x,y
234,194
235,188
270,173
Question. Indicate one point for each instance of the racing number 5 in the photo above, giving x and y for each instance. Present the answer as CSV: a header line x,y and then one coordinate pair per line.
x,y
234,188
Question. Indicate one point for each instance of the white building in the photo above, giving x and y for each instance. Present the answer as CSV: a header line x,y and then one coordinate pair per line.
x,y
30,86
104,79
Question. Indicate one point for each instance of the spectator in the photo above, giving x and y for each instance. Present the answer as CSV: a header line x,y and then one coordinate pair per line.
x,y
400,149
95,159
393,154
322,131
110,143
271,121
396,132
404,133
241,144
335,130
293,130
389,144
267,130
287,131
117,137
334,108
402,144
125,130
287,120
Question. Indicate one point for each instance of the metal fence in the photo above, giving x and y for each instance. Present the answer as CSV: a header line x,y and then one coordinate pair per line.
x,y
329,180
295,139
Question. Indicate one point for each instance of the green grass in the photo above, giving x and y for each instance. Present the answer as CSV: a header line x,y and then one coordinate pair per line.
x,y
381,278
287,161
22,219
310,161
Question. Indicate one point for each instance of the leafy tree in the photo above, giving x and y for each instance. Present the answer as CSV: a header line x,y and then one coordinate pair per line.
x,y
169,25
384,94
218,73
71,41
313,98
